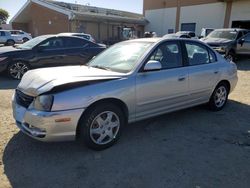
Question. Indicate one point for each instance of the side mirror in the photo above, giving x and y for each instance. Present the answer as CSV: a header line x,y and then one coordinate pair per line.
x,y
152,65
40,48
241,41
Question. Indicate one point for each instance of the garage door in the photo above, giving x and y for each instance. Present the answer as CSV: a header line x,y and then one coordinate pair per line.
x,y
188,27
241,24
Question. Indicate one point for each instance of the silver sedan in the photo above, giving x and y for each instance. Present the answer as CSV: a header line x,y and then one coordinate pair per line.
x,y
130,81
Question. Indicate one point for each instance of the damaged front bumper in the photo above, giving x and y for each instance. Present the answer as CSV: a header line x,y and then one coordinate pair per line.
x,y
47,126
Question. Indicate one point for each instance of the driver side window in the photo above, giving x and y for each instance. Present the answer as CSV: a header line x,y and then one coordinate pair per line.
x,y
168,54
52,44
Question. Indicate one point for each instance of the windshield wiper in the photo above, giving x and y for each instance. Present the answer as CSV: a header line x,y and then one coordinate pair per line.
x,y
100,67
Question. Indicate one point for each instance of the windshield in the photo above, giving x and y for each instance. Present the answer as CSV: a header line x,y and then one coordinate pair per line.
x,y
121,57
33,42
230,35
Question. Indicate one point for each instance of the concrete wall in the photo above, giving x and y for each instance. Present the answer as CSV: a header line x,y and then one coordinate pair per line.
x,y
161,20
240,11
208,15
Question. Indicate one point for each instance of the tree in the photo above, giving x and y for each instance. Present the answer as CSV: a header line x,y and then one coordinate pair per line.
x,y
4,15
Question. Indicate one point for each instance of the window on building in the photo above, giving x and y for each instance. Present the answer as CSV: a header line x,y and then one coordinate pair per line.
x,y
188,27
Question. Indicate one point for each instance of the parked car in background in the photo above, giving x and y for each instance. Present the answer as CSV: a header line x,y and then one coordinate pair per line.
x,y
150,34
229,42
191,34
128,82
176,35
82,35
7,39
205,32
46,51
21,35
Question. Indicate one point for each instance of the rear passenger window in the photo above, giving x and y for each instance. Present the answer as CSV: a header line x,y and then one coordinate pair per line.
x,y
197,54
168,54
75,43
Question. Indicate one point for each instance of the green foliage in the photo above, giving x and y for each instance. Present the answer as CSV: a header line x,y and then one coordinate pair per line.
x,y
4,15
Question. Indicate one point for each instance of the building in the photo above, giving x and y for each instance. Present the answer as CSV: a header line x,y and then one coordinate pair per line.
x,y
168,16
40,17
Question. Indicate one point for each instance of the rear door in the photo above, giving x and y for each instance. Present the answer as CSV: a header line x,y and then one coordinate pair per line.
x,y
166,89
203,71
77,51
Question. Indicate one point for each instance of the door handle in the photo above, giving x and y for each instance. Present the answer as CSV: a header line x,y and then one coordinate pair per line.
x,y
216,72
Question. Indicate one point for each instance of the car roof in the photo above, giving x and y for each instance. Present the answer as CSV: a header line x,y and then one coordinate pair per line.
x,y
71,34
4,30
232,29
159,39
153,40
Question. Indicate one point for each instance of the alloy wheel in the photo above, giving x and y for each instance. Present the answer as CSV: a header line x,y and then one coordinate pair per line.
x,y
220,96
104,128
17,70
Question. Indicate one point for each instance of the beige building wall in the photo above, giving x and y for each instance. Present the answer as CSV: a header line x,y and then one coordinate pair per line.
x,y
205,16
166,20
204,13
240,11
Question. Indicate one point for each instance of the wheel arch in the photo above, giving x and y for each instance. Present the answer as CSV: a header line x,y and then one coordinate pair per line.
x,y
118,102
226,82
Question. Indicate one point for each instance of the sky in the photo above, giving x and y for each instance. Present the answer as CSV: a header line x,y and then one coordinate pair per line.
x,y
12,6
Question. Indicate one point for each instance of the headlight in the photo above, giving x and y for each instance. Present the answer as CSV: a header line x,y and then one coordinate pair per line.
x,y
2,58
43,102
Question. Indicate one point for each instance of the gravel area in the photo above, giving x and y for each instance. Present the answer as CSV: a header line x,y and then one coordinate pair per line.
x,y
189,148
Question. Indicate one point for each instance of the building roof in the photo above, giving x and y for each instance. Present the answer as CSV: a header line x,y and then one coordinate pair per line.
x,y
82,12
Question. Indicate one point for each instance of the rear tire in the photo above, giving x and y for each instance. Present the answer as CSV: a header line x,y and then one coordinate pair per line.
x,y
17,69
101,126
25,39
10,42
219,97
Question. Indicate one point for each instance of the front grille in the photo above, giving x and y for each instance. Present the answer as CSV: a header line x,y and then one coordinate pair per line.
x,y
23,99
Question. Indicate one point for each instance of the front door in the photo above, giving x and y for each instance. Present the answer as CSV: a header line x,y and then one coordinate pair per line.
x,y
163,90
243,47
50,53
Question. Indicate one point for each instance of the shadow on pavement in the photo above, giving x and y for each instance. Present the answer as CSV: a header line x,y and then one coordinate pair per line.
x,y
188,148
243,64
8,83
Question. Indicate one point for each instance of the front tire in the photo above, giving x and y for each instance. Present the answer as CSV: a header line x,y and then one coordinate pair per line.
x,y
231,56
17,69
219,97
100,127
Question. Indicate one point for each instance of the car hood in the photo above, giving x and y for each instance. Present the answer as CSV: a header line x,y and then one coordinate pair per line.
x,y
39,81
216,40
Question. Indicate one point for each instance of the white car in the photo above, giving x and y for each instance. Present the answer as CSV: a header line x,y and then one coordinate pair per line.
x,y
21,35
81,35
7,39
